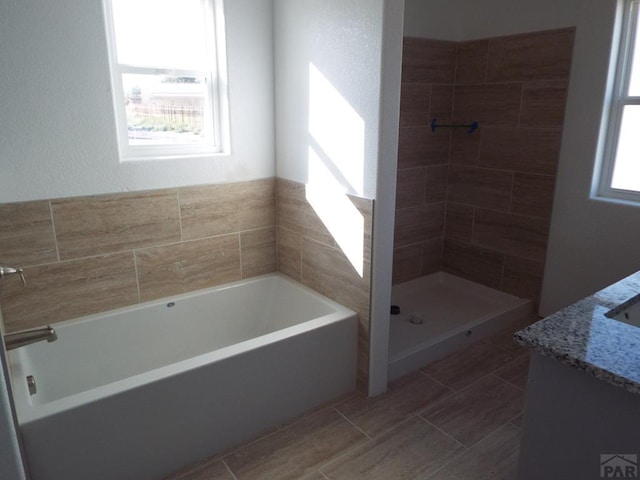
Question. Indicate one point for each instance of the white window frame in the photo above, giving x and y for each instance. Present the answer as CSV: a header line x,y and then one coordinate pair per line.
x,y
216,124
619,99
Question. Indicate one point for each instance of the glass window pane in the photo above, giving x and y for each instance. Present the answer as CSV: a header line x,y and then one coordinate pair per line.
x,y
160,33
634,80
164,110
626,172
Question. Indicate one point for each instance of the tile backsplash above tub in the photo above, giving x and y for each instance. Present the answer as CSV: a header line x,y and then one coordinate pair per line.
x,y
95,225
89,254
335,263
68,289
27,234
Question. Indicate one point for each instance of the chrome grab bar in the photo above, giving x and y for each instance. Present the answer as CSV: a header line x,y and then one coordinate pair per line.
x,y
9,271
26,337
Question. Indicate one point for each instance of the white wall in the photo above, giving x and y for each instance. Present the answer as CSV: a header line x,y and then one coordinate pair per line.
x,y
459,20
593,243
385,203
338,66
57,134
341,39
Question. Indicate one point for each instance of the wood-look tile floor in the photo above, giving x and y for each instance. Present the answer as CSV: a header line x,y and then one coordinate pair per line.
x,y
457,419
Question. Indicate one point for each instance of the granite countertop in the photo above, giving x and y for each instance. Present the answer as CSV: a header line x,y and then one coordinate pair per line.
x,y
583,337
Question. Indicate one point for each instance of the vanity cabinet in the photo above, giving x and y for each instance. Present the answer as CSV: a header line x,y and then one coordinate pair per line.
x,y
575,425
582,406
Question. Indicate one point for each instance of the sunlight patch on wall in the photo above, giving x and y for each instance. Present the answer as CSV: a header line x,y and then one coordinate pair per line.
x,y
336,162
343,220
337,129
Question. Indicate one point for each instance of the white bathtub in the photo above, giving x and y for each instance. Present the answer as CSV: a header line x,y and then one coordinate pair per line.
x,y
139,392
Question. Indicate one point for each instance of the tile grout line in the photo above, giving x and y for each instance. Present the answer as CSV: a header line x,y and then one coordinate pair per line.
x,y
448,462
55,236
276,430
249,443
485,79
469,448
142,247
135,268
491,374
503,269
522,90
342,455
276,223
510,421
515,356
409,416
472,384
179,214
495,168
301,238
384,432
492,432
435,379
416,413
229,469
502,425
513,184
519,427
516,352
491,209
506,381
503,349
351,423
367,441
240,253
442,431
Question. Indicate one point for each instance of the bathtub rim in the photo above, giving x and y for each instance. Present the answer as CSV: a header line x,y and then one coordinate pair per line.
x,y
194,293
28,412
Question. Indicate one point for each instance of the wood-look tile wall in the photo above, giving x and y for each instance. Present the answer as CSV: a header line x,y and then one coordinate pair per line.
x,y
501,178
90,254
428,75
516,87
309,253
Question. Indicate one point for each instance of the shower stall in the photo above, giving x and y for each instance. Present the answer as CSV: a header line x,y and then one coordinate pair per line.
x,y
440,313
479,141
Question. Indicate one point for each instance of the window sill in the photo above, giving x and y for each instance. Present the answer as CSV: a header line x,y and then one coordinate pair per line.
x,y
629,202
172,157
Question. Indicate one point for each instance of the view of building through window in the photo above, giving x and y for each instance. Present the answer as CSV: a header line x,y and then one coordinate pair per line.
x,y
164,71
164,109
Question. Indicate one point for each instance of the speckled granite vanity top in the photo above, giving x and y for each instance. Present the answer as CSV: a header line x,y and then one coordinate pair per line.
x,y
583,337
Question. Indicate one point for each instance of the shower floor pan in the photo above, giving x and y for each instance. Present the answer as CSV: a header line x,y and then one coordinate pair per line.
x,y
441,313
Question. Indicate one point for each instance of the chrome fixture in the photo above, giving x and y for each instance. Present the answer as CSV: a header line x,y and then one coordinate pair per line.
x,y
26,337
31,385
8,272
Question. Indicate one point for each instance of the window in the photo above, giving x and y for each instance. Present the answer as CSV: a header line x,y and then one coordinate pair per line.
x,y
166,82
620,173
